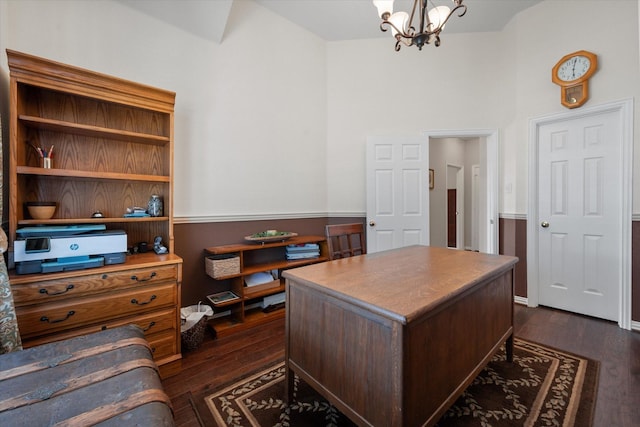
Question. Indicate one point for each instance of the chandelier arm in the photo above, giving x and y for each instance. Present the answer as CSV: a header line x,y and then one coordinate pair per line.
x,y
459,6
402,40
399,32
439,29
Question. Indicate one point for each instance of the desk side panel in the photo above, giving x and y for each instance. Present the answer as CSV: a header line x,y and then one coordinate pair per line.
x,y
450,345
349,355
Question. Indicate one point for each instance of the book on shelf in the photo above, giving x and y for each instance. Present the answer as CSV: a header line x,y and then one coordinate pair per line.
x,y
303,256
303,247
222,297
302,251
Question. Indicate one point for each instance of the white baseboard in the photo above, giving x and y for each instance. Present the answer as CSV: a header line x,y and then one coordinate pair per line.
x,y
635,326
520,300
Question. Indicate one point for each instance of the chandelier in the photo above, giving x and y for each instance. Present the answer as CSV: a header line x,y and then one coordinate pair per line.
x,y
431,22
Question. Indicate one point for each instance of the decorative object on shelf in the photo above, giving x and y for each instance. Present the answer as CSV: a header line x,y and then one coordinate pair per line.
x,y
430,21
158,247
154,207
41,210
572,73
97,214
270,236
46,157
136,212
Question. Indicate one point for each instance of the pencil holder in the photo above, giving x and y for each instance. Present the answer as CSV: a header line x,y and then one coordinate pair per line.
x,y
46,162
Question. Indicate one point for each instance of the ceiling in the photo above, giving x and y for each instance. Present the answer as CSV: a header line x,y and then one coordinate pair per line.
x,y
331,20
334,20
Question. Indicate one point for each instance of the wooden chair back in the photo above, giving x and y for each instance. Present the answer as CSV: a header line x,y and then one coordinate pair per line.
x,y
345,240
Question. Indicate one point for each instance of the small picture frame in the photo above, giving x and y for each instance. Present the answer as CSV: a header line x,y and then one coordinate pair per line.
x,y
222,297
432,180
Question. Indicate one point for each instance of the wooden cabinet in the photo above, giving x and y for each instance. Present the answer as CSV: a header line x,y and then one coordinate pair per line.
x,y
144,291
112,148
247,311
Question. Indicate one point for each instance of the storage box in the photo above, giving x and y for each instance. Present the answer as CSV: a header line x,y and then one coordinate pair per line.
x,y
218,266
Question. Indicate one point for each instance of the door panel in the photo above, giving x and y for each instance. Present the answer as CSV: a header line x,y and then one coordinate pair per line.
x,y
579,234
397,192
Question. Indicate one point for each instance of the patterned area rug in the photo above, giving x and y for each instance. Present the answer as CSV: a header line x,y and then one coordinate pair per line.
x,y
543,387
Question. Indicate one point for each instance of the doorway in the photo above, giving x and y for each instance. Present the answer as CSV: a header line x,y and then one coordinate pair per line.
x,y
456,212
579,227
483,202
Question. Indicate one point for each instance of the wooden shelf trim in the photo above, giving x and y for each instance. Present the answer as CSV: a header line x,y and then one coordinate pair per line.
x,y
239,247
92,131
62,221
275,265
69,173
43,72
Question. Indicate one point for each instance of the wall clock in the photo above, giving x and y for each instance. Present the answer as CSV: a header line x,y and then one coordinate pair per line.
x,y
572,74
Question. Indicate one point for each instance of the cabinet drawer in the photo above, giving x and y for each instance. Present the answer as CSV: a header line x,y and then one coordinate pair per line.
x,y
46,318
151,323
72,287
163,344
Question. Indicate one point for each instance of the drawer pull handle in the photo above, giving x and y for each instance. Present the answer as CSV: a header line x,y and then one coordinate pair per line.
x,y
134,277
45,291
151,325
46,319
135,301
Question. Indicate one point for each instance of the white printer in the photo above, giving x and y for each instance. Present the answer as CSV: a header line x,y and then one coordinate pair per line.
x,y
47,249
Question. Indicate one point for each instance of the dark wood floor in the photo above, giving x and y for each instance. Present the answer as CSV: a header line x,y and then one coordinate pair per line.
x,y
222,360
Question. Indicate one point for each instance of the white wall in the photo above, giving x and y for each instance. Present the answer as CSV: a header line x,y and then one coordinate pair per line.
x,y
374,90
250,117
273,121
485,80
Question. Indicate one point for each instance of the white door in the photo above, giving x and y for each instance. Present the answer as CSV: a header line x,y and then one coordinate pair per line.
x,y
397,192
579,217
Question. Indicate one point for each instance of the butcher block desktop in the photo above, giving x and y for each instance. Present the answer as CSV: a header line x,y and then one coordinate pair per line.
x,y
393,338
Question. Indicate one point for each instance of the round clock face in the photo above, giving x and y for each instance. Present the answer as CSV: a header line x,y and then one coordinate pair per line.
x,y
574,68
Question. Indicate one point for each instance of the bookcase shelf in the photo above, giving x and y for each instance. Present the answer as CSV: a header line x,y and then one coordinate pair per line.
x,y
257,258
69,173
93,131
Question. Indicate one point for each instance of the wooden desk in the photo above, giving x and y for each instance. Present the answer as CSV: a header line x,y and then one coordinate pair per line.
x,y
393,338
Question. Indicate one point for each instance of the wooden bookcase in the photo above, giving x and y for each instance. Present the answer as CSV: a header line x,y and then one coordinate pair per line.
x,y
113,149
113,144
256,258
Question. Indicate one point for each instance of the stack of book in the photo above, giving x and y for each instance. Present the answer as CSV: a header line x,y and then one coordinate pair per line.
x,y
303,251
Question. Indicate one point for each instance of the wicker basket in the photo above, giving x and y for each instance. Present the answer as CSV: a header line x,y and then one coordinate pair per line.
x,y
192,334
218,266
193,337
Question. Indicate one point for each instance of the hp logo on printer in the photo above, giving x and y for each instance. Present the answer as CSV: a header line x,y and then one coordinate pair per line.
x,y
74,246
